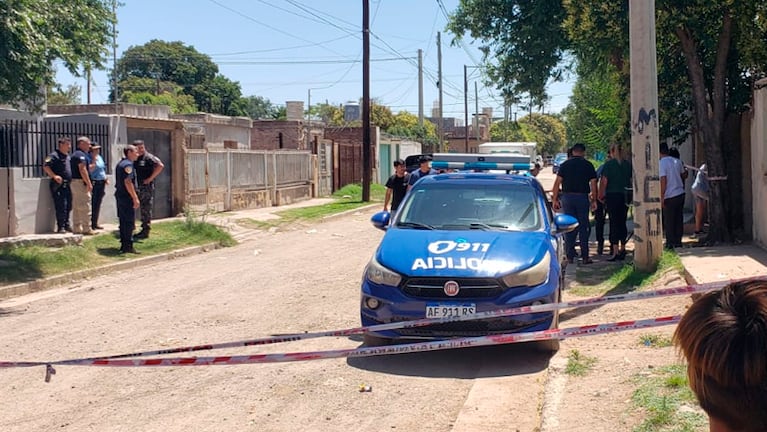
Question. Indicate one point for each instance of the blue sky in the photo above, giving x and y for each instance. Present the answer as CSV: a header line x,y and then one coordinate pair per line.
x,y
317,45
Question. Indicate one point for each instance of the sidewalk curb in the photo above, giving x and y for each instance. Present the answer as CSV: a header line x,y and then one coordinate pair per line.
x,y
24,288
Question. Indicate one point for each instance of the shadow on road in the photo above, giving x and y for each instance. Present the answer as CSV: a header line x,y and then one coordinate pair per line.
x,y
468,363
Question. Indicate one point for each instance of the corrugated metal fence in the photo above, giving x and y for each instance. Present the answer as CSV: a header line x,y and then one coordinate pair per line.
x,y
215,177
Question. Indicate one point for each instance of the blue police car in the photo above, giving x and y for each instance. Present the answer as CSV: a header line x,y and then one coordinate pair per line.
x,y
463,243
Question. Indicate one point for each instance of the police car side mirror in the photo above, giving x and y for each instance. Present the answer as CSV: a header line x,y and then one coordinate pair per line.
x,y
381,220
564,223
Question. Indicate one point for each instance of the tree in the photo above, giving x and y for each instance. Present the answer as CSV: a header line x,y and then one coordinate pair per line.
x,y
522,42
381,116
331,115
509,131
56,95
721,43
257,107
405,124
35,33
546,131
597,114
183,66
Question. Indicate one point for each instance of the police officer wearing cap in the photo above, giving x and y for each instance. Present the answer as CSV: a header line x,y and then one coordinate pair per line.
x,y
127,198
57,167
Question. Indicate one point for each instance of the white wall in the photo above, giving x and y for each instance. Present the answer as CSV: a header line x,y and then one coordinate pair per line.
x,y
759,164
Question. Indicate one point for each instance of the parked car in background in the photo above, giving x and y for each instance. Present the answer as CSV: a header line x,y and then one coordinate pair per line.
x,y
558,159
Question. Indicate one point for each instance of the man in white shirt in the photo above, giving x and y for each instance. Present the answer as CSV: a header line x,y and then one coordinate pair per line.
x,y
672,197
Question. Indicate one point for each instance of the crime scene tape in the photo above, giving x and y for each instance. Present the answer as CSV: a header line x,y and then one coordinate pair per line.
x,y
581,331
122,359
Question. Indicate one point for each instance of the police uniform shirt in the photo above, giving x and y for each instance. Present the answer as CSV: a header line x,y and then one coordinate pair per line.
x,y
79,157
124,170
60,165
144,166
576,174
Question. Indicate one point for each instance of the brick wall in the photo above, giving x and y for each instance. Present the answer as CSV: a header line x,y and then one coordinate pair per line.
x,y
275,134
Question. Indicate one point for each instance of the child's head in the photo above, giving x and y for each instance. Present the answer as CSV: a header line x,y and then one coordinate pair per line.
x,y
723,336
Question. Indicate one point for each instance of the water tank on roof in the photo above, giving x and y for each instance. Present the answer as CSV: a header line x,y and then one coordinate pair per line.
x,y
352,112
295,110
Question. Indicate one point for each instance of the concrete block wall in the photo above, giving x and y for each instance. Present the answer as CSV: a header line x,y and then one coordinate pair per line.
x,y
265,135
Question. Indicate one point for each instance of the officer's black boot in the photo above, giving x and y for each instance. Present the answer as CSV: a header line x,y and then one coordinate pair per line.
x,y
600,248
143,234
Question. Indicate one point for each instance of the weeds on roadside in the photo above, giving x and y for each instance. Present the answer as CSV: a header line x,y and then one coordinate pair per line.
x,y
623,279
348,197
668,402
655,340
579,364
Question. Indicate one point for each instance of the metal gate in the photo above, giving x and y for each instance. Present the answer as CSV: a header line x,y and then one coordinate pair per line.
x,y
385,168
157,142
325,162
349,164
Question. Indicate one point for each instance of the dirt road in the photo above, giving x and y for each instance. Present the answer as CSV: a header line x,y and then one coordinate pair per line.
x,y
306,279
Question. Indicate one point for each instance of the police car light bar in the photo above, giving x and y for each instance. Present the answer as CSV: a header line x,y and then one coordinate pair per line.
x,y
475,161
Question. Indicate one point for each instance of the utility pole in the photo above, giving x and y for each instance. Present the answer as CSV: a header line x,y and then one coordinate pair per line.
x,y
644,135
114,55
439,86
476,108
366,174
420,87
308,107
466,106
88,88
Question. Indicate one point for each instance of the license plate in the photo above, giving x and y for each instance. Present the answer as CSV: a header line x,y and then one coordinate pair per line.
x,y
435,310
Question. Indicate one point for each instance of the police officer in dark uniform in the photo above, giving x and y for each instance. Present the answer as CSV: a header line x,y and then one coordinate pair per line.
x,y
127,199
57,167
148,167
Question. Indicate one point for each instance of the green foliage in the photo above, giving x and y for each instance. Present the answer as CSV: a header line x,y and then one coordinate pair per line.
x,y
547,131
57,95
594,281
331,115
35,33
661,395
381,116
509,131
178,69
655,341
406,125
257,108
523,43
32,262
597,114
579,364
155,92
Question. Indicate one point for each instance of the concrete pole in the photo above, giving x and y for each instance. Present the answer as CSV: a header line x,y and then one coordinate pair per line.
x,y
476,110
648,243
420,87
440,130
366,156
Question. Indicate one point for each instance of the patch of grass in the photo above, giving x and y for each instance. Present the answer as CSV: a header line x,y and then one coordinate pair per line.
x,y
347,198
579,364
33,262
668,402
600,280
655,340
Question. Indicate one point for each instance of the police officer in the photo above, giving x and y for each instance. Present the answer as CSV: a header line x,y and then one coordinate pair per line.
x,y
127,199
57,167
81,187
148,167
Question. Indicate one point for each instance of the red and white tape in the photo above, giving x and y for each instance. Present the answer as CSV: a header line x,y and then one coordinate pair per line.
x,y
125,359
588,330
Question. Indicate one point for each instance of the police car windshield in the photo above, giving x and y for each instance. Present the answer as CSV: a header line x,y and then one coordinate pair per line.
x,y
465,206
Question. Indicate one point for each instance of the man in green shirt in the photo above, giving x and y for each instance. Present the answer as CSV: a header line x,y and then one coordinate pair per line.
x,y
616,177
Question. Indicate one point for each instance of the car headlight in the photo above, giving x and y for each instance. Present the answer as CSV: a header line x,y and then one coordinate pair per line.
x,y
533,276
380,275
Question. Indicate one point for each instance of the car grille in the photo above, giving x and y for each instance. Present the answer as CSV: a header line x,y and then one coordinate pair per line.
x,y
433,288
469,328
